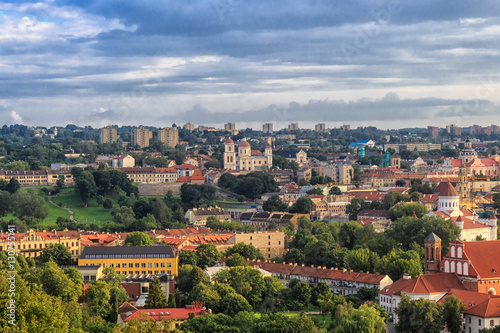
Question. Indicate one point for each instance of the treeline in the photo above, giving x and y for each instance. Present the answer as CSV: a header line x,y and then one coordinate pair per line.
x,y
396,251
252,185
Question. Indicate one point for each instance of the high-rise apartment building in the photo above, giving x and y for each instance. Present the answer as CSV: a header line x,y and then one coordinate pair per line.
x,y
230,127
267,128
140,137
108,134
293,126
189,127
433,131
321,127
169,136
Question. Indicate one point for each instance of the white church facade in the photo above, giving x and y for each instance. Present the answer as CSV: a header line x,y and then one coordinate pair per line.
x,y
244,158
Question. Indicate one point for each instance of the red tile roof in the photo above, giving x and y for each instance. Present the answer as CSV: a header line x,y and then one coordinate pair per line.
x,y
164,313
425,284
447,190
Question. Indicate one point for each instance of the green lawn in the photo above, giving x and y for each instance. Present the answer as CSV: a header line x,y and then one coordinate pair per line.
x,y
54,213
86,215
319,319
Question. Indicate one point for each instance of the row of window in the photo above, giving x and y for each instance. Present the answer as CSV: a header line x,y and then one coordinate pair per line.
x,y
144,272
137,265
40,246
125,256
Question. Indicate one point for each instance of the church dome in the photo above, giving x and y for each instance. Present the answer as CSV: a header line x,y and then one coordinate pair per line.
x,y
244,143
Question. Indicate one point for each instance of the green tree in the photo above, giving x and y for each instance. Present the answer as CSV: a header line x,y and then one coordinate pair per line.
x,y
233,303
5,203
247,251
335,190
86,187
453,311
156,298
57,253
227,181
274,204
302,292
55,282
303,205
419,316
60,181
398,262
107,203
28,204
137,238
364,319
13,186
236,260
97,297
348,234
362,260
188,258
207,254
407,210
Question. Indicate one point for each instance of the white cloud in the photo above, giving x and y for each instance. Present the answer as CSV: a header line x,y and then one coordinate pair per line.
x,y
16,118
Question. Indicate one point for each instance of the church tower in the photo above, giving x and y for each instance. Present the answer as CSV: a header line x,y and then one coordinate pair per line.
x,y
269,154
229,155
396,161
468,154
448,199
463,184
432,246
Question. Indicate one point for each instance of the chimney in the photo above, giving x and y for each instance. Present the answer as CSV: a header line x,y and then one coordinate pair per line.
x,y
302,265
344,270
377,273
312,266
350,271
406,276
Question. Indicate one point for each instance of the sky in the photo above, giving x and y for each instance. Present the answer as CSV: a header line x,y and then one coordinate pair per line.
x,y
384,63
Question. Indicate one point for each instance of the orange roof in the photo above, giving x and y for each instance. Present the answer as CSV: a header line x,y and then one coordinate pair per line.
x,y
197,175
425,284
469,298
487,309
447,190
484,257
164,313
183,179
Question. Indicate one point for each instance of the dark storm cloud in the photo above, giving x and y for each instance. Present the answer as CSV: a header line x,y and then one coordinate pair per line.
x,y
129,56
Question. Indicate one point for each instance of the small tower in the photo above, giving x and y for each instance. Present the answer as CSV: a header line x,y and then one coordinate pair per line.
x,y
229,155
494,227
396,161
448,199
468,154
269,154
432,245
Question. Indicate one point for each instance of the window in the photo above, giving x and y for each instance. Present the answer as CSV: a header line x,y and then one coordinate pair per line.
x,y
117,265
268,237
479,322
143,272
92,278
156,272
130,265
492,323
169,272
150,265
143,265
156,264
169,264
137,265
150,272
269,243
86,278
136,272
162,264
162,272
469,320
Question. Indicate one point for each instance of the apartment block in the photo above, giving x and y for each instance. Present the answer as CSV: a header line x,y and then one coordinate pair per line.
x,y
133,259
293,126
169,136
230,127
267,128
321,127
108,134
140,137
189,127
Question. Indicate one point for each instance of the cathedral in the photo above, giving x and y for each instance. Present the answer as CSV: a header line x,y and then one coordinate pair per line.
x,y
245,158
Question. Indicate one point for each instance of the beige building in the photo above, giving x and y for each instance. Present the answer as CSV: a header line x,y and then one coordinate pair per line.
x,y
246,158
293,126
109,134
169,136
321,127
267,128
189,127
31,243
304,173
38,177
230,127
199,216
140,137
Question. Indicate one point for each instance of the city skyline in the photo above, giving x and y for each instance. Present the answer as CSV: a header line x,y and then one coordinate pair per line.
x,y
390,64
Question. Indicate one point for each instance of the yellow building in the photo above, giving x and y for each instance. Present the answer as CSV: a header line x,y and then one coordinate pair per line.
x,y
31,243
169,136
140,137
38,177
133,259
108,134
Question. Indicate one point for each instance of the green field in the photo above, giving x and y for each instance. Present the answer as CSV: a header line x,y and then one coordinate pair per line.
x,y
86,215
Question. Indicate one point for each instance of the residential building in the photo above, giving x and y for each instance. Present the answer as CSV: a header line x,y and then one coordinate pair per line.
x,y
246,158
137,286
298,156
140,137
120,161
433,131
133,259
267,128
230,127
108,134
199,216
38,177
320,127
172,317
340,281
189,127
304,173
31,243
293,126
169,136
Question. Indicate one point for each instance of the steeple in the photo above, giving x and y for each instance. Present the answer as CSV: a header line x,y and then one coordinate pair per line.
x,y
432,245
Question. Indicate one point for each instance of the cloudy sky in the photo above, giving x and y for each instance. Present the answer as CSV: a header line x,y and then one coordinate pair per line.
x,y
388,63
